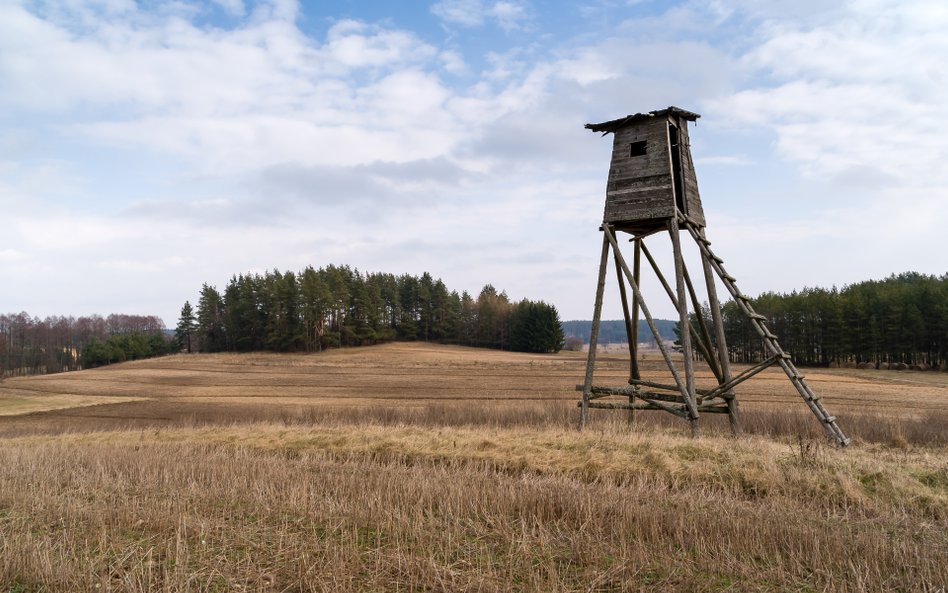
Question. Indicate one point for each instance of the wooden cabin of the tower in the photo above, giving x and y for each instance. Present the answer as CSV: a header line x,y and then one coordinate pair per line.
x,y
651,172
652,187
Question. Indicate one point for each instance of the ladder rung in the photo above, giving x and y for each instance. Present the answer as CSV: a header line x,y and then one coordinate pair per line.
x,y
768,335
757,316
785,355
729,278
717,259
744,297
798,377
829,419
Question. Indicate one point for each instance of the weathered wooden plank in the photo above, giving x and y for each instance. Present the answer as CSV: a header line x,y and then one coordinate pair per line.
x,y
630,173
636,406
713,409
689,394
718,322
636,270
636,212
634,196
644,203
666,386
641,211
633,185
655,406
594,332
631,339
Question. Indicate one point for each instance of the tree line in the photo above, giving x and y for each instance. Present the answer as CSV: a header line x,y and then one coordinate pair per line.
x,y
32,346
338,306
902,319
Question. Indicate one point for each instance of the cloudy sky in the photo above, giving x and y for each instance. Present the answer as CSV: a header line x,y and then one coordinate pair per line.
x,y
147,148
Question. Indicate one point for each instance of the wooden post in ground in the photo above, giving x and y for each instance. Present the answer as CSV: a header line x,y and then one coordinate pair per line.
x,y
594,332
636,276
628,331
723,357
684,325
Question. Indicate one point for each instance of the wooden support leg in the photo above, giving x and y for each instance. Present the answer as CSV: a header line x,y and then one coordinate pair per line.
x,y
703,337
723,358
634,367
684,325
628,332
628,317
594,333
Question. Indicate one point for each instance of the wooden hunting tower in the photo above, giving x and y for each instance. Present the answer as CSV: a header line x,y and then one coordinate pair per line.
x,y
652,187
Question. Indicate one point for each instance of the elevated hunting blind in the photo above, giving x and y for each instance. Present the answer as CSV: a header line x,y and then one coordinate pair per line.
x,y
652,187
651,174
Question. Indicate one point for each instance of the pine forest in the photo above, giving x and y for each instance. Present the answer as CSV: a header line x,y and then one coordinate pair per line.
x,y
337,306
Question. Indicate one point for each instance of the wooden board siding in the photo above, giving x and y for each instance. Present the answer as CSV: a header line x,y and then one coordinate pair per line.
x,y
640,187
647,204
640,191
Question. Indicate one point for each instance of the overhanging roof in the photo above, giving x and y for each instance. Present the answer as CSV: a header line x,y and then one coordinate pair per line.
x,y
617,124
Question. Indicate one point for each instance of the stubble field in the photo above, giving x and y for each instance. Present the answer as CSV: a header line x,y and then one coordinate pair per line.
x,y
415,467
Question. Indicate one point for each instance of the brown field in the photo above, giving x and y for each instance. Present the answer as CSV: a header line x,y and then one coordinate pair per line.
x,y
436,384
411,467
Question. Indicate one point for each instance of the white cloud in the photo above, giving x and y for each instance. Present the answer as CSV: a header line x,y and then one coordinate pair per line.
x,y
63,233
727,160
232,7
859,91
11,255
453,62
507,14
255,95
279,148
165,64
469,13
355,44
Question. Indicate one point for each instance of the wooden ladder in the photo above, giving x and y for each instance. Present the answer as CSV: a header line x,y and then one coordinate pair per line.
x,y
758,321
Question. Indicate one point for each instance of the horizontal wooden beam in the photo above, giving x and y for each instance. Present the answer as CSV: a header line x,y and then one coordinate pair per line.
x,y
720,390
647,405
683,413
599,392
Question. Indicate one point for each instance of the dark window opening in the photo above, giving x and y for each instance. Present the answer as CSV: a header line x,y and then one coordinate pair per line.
x,y
638,148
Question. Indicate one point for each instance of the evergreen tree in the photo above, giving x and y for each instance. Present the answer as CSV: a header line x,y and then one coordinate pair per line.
x,y
186,326
535,327
210,320
314,307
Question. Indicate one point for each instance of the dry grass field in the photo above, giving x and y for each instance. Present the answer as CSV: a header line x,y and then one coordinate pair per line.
x,y
440,385
411,467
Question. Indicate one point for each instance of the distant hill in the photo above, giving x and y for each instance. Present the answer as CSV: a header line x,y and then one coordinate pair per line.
x,y
613,331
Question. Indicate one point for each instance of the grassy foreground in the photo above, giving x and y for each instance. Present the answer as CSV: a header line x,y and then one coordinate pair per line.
x,y
348,506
